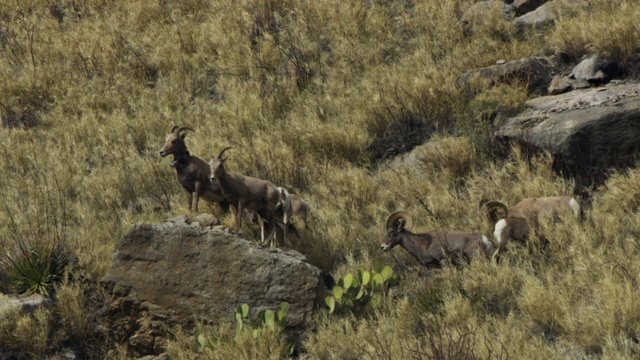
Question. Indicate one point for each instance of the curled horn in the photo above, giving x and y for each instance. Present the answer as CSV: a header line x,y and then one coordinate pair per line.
x,y
490,204
182,128
483,202
397,216
222,152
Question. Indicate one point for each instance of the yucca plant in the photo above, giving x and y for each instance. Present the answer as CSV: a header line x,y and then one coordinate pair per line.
x,y
35,255
34,267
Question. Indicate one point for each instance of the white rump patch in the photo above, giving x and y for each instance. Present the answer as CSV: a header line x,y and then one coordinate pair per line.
x,y
574,206
500,225
487,242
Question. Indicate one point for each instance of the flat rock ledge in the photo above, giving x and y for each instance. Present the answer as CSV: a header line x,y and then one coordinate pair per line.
x,y
589,131
172,273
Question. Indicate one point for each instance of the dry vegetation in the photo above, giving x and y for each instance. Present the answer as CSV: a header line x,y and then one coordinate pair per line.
x,y
311,94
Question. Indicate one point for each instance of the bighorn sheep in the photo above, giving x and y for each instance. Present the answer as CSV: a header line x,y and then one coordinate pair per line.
x,y
282,212
245,192
433,247
299,208
290,205
523,217
193,173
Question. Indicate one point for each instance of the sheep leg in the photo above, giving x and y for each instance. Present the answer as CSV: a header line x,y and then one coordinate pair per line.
x,y
197,192
190,200
284,229
261,221
271,230
239,212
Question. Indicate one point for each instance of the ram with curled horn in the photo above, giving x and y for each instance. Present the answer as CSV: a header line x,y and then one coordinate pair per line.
x,y
193,173
519,220
433,248
247,193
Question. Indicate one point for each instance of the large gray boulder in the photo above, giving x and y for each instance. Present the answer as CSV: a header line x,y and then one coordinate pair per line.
x,y
596,70
589,131
545,14
172,273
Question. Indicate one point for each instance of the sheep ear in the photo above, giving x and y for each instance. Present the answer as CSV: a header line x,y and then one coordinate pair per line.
x,y
183,135
401,224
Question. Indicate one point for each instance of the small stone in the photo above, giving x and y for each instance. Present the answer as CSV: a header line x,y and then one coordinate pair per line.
x,y
206,220
558,85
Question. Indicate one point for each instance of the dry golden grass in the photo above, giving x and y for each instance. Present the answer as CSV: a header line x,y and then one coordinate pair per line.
x,y
311,95
605,27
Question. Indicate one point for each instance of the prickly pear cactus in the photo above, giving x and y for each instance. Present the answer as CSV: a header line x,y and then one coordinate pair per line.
x,y
355,293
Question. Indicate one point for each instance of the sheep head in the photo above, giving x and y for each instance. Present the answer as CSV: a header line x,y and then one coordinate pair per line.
x,y
284,199
397,224
174,143
491,212
217,164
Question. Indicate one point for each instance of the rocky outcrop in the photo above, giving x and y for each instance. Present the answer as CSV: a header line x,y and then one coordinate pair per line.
x,y
172,273
591,71
544,15
533,71
589,131
596,70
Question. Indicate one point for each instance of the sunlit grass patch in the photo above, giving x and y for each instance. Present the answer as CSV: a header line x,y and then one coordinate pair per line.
x,y
603,27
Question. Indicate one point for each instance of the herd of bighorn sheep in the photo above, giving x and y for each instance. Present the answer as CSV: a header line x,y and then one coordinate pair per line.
x,y
275,206
212,182
438,247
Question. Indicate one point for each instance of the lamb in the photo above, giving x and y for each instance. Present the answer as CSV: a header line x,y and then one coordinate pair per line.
x,y
299,208
433,247
290,205
245,192
193,173
520,219
282,212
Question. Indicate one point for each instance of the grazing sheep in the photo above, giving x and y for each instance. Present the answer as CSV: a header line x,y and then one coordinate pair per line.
x,y
520,219
290,205
193,173
299,208
245,192
433,247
